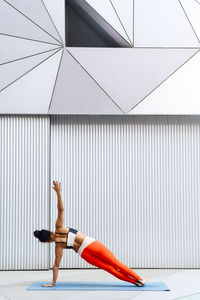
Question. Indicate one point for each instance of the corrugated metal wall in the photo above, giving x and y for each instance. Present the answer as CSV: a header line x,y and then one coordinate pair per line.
x,y
24,191
133,184
130,182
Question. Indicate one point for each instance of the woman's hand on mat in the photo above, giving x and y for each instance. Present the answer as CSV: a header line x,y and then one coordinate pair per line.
x,y
57,186
48,285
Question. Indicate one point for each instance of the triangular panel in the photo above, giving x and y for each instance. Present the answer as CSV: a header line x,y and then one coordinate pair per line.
x,y
56,10
124,9
14,23
77,93
32,93
180,94
86,28
105,9
10,72
161,23
15,48
37,12
192,9
130,74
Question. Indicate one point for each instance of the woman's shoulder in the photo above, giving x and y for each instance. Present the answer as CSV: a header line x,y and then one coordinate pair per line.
x,y
62,229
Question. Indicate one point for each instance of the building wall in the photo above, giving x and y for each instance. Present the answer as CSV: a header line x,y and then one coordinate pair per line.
x,y
24,191
132,182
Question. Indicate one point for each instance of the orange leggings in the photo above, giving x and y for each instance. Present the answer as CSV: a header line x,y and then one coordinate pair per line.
x,y
100,256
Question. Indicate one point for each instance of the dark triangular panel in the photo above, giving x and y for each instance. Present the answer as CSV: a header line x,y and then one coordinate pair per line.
x,y
86,28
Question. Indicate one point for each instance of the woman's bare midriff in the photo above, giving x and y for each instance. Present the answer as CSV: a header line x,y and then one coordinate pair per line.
x,y
77,242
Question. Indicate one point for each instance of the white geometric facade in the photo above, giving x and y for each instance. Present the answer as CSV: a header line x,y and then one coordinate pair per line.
x,y
155,70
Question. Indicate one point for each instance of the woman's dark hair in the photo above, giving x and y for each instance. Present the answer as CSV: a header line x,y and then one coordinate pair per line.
x,y
43,235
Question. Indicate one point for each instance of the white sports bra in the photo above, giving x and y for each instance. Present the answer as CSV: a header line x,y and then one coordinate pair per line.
x,y
70,237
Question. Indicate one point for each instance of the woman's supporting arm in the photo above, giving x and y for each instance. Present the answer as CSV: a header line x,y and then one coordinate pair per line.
x,y
58,254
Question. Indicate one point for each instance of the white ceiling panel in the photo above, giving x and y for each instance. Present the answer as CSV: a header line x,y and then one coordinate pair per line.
x,y
192,9
77,93
14,23
36,11
128,75
12,71
15,48
56,10
105,9
124,9
32,93
161,23
180,94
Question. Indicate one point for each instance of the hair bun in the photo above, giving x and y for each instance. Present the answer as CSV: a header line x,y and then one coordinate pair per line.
x,y
36,233
43,235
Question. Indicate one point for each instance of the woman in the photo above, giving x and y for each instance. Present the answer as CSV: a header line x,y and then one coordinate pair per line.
x,y
87,247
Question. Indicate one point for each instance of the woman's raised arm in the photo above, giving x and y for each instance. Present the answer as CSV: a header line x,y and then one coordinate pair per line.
x,y
60,206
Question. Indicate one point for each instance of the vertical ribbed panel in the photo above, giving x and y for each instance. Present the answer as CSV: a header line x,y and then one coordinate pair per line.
x,y
24,191
133,184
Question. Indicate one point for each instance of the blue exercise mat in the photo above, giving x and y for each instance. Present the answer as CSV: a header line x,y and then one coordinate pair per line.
x,y
99,286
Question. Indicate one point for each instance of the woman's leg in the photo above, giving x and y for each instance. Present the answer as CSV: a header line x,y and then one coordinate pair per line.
x,y
100,251
95,261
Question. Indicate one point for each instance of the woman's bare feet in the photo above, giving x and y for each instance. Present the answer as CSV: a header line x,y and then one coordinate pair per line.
x,y
142,281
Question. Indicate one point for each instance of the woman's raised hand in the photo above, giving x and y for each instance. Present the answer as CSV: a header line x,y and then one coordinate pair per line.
x,y
57,186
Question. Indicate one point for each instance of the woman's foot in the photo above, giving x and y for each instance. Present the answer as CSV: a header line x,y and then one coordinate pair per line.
x,y
141,281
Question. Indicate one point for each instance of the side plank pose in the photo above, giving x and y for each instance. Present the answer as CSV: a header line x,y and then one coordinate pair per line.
x,y
88,248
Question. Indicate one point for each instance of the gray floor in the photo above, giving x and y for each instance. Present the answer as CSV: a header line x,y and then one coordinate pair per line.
x,y
184,284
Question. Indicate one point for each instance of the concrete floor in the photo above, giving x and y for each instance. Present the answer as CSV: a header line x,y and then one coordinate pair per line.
x,y
184,284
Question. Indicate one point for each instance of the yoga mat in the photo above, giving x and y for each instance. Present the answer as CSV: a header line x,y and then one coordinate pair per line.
x,y
99,286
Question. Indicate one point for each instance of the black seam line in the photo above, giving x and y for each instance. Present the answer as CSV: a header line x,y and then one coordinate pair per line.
x,y
121,22
32,21
28,71
53,23
197,1
95,81
24,57
110,25
55,81
28,39
163,82
189,20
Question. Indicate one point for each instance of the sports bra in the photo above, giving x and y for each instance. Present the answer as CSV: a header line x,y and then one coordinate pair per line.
x,y
70,237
